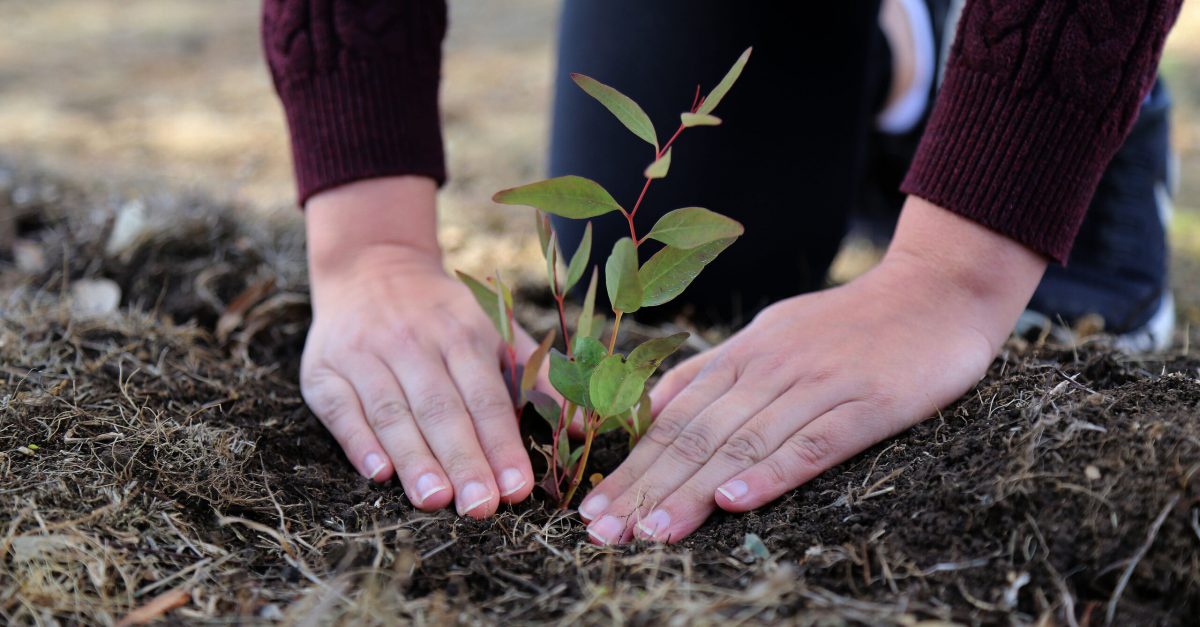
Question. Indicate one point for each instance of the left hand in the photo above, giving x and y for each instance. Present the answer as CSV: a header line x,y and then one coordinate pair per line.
x,y
818,378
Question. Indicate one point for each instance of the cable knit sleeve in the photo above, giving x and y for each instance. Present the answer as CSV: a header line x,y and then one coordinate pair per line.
x,y
1037,98
359,84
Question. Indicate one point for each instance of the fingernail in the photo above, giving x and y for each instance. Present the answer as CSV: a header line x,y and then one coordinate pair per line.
x,y
374,463
734,490
607,530
428,485
511,480
654,524
593,506
473,495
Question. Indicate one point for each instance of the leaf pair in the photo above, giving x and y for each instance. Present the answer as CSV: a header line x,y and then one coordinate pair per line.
x,y
618,383
574,270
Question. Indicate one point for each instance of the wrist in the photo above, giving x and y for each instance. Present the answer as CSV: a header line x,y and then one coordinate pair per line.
x,y
354,222
989,276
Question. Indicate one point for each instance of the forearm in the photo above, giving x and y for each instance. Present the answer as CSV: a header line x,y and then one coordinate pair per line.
x,y
348,222
990,275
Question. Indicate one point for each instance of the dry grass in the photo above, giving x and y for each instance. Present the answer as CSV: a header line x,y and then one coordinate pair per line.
x,y
149,466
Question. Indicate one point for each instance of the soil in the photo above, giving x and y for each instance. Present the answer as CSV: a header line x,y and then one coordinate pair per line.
x,y
160,457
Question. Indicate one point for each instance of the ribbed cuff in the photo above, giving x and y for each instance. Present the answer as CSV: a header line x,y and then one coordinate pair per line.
x,y
363,121
1024,165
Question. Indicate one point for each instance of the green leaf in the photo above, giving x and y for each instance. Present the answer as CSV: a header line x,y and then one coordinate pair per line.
x,y
534,363
699,119
589,352
551,255
586,316
651,353
564,452
545,406
567,378
714,97
566,196
622,106
642,418
616,385
598,324
487,298
580,259
506,332
574,458
544,229
690,227
612,423
621,277
671,270
659,168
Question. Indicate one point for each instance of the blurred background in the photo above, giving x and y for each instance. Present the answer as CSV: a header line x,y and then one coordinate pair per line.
x,y
137,94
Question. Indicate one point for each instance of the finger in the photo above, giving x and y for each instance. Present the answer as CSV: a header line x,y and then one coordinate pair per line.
x,y
820,445
444,422
390,417
336,405
686,508
476,374
525,346
682,457
676,379
704,390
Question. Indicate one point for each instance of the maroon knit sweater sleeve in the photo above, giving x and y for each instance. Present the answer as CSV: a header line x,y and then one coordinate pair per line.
x,y
359,84
1038,96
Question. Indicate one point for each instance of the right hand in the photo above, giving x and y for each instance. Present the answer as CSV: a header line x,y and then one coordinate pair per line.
x,y
401,364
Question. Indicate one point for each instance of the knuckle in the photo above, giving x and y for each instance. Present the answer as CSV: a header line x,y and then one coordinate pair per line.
x,y
388,414
809,449
693,445
777,472
667,427
746,446
437,408
488,405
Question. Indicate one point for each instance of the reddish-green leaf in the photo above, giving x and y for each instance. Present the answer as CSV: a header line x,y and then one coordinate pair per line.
x,y
622,106
534,363
489,300
621,277
544,229
690,227
580,259
699,119
551,255
587,315
651,353
671,270
504,305
714,97
659,168
566,196
545,406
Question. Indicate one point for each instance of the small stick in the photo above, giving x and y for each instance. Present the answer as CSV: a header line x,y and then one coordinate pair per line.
x,y
157,607
1137,557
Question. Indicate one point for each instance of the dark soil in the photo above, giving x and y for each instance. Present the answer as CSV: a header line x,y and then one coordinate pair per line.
x,y
165,448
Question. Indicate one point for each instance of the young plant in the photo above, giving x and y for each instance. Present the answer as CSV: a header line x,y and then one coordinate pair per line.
x,y
603,389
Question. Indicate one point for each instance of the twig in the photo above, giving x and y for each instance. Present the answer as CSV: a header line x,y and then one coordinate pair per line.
x,y
1137,557
157,607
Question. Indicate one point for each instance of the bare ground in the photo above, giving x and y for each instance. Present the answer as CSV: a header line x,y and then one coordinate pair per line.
x,y
159,456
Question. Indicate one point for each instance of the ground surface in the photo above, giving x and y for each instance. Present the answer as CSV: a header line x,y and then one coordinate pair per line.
x,y
162,451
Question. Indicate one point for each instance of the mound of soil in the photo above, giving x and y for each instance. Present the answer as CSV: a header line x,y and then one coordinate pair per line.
x,y
158,458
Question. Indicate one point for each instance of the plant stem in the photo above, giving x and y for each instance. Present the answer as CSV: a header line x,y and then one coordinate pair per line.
x,y
583,459
612,339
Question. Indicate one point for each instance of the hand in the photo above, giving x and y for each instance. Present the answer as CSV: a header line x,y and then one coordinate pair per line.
x,y
401,364
815,379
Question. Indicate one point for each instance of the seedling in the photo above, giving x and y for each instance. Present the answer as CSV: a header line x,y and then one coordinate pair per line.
x,y
604,389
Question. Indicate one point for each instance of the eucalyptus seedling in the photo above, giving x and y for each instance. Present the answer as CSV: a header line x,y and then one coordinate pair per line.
x,y
602,388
